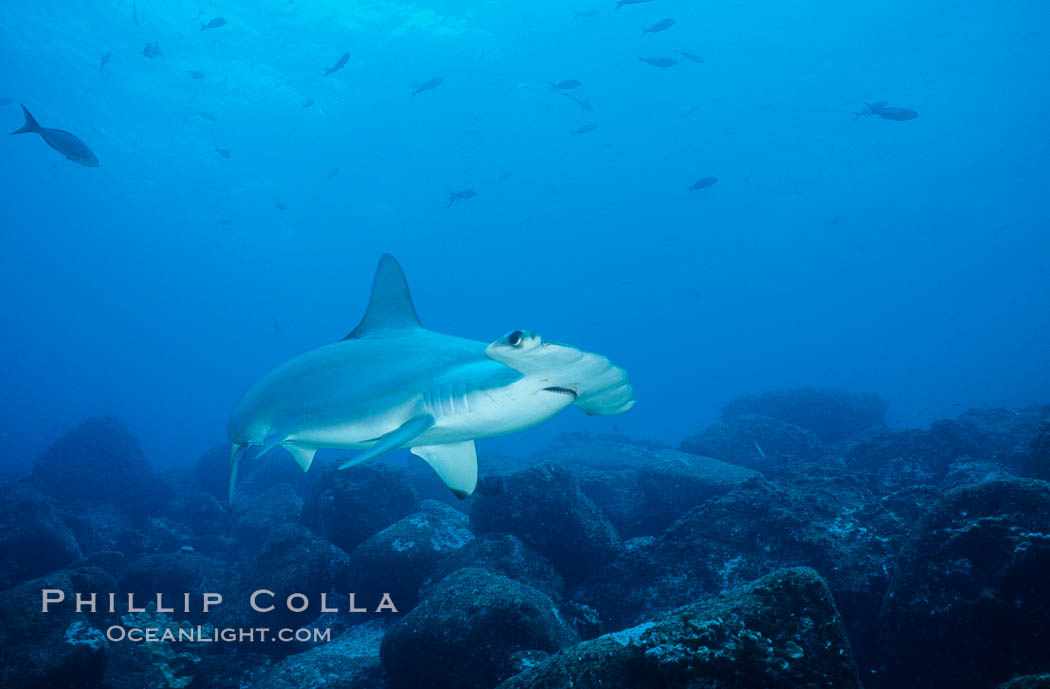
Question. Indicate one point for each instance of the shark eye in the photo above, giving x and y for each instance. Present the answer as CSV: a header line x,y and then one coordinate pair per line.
x,y
515,338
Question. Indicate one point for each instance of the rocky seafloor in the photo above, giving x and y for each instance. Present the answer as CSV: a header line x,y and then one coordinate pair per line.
x,y
797,542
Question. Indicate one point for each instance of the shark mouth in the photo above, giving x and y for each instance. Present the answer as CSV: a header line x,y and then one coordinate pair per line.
x,y
563,391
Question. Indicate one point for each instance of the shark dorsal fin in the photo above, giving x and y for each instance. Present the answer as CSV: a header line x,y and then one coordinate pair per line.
x,y
390,306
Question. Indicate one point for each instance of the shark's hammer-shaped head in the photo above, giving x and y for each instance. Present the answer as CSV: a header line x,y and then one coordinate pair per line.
x,y
593,383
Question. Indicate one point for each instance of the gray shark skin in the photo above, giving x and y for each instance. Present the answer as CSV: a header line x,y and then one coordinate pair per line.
x,y
391,384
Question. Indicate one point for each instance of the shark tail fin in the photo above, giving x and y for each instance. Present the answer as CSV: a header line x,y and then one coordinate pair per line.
x,y
390,306
30,125
236,453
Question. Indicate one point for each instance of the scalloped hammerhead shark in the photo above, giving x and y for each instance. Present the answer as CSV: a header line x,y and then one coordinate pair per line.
x,y
391,383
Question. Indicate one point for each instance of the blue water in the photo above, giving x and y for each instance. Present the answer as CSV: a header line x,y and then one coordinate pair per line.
x,y
907,258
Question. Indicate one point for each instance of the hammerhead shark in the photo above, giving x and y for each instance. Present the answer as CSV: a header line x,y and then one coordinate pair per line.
x,y
391,384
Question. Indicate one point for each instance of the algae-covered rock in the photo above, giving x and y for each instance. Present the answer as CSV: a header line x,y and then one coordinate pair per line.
x,y
350,661
33,538
469,632
782,631
757,442
507,555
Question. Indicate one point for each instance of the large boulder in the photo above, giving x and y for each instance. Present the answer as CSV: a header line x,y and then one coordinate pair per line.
x,y
780,632
757,442
350,661
175,574
33,538
59,648
545,508
257,516
967,604
100,463
894,460
505,554
1039,461
398,559
473,626
833,415
349,506
1005,435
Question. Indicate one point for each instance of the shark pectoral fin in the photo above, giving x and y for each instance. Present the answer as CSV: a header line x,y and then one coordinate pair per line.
x,y
455,463
274,438
303,456
399,437
236,452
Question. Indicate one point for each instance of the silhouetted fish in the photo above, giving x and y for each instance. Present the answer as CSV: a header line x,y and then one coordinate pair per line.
x,y
886,112
206,115
659,61
102,64
433,82
566,85
662,25
214,24
703,183
225,222
582,102
223,152
692,57
279,205
504,176
194,74
308,103
339,64
621,3
454,196
6,101
585,129
65,143
152,50
334,173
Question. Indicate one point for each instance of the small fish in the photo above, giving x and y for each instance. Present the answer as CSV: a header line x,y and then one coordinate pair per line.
x,y
6,101
194,74
339,64
582,102
886,112
621,3
585,14
566,85
585,129
225,222
214,24
334,173
690,111
703,183
504,176
276,327
454,196
692,57
759,448
835,219
659,61
433,82
280,205
102,64
223,152
662,25
308,103
65,143
152,50
206,115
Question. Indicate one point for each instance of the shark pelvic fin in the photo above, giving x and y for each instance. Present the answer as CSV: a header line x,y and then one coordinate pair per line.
x,y
455,463
275,437
303,456
236,452
399,437
390,306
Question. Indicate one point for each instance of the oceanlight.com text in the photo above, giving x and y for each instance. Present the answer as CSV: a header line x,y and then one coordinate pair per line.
x,y
208,634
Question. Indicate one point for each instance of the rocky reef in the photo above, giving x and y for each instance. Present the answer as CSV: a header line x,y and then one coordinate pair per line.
x,y
798,541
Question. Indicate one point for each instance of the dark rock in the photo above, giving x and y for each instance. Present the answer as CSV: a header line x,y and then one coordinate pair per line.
x,y
100,463
671,483
104,529
231,670
471,624
398,559
832,414
545,508
349,506
967,604
1039,464
507,555
601,451
898,459
274,468
757,442
174,574
212,471
33,538
200,511
615,492
257,516
60,648
967,471
1027,682
782,631
1005,435
350,661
